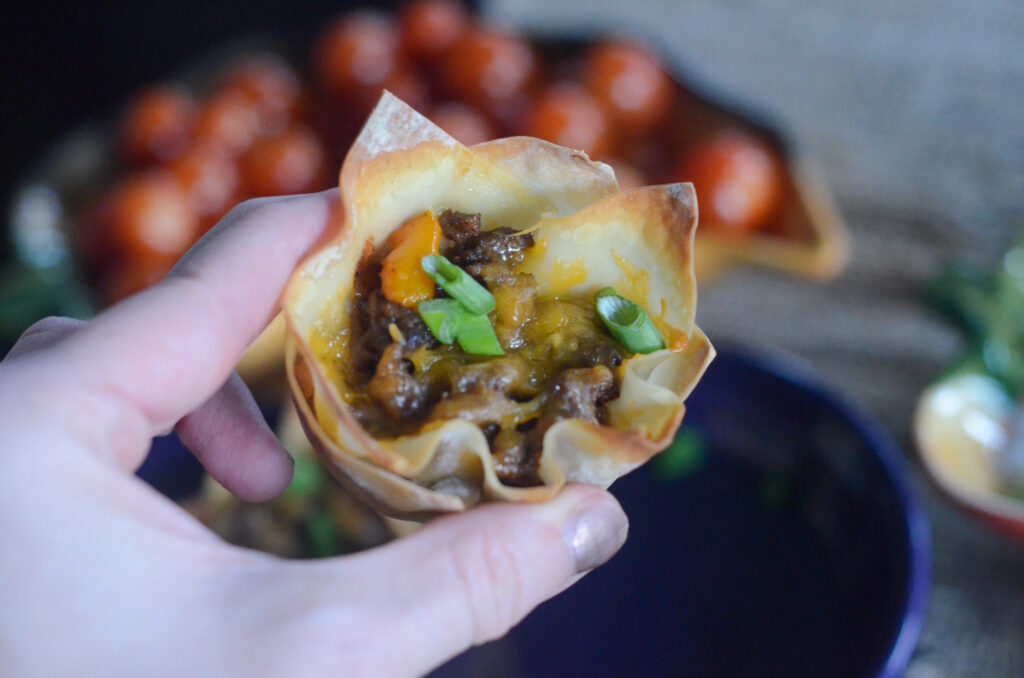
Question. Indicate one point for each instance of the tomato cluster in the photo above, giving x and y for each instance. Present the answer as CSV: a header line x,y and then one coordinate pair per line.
x,y
262,131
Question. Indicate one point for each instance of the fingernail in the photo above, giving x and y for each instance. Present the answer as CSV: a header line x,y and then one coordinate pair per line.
x,y
596,532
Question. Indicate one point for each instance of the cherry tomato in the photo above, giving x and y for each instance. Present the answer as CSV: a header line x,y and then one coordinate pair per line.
x,y
429,27
151,221
489,69
739,182
566,115
210,180
357,52
464,123
271,86
156,125
291,162
630,84
228,123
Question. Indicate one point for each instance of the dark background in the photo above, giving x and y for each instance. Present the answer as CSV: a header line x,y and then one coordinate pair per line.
x,y
69,62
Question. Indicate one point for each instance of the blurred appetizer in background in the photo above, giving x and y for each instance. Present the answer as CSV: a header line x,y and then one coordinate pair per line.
x,y
314,518
969,424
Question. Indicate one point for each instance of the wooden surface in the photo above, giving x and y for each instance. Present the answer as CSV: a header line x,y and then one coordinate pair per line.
x,y
915,112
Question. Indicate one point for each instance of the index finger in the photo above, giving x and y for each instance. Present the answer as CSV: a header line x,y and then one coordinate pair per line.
x,y
168,349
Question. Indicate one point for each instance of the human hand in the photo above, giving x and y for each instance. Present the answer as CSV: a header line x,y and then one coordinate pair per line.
x,y
101,575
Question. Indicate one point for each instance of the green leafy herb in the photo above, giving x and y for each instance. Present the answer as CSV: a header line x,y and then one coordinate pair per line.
x,y
990,307
684,457
307,480
323,536
628,323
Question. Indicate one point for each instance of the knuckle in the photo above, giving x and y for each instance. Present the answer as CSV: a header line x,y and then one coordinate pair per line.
x,y
43,333
491,582
54,324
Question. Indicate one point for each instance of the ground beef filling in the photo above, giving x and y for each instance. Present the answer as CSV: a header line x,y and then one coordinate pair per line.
x,y
558,360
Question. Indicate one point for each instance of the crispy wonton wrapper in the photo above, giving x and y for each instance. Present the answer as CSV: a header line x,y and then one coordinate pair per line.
x,y
640,242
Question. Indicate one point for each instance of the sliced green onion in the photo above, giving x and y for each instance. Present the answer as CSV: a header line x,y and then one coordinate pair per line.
x,y
458,284
442,317
476,336
627,322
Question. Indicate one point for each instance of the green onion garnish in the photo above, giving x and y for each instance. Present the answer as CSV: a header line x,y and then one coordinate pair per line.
x,y
627,322
475,335
449,320
458,284
442,317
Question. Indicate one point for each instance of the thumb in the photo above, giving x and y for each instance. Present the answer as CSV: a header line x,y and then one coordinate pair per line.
x,y
459,581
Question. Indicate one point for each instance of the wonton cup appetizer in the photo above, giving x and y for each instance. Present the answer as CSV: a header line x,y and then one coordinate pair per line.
x,y
457,342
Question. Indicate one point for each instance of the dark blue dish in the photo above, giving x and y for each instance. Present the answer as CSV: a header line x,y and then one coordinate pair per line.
x,y
793,547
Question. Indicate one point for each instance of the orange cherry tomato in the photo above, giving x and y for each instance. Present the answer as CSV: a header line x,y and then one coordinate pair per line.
x,y
631,85
151,222
271,86
228,123
566,115
462,122
357,52
739,181
156,125
291,162
210,180
489,69
429,27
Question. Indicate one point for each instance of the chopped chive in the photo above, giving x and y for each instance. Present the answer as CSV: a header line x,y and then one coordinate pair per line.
x,y
476,335
627,322
442,317
458,284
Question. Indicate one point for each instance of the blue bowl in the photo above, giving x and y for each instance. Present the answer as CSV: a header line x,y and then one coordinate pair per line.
x,y
792,547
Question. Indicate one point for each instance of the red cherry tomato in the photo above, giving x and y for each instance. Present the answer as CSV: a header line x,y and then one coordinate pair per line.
x,y
271,86
566,115
151,222
156,125
429,27
210,180
739,182
357,52
228,123
630,84
462,122
489,69
291,162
